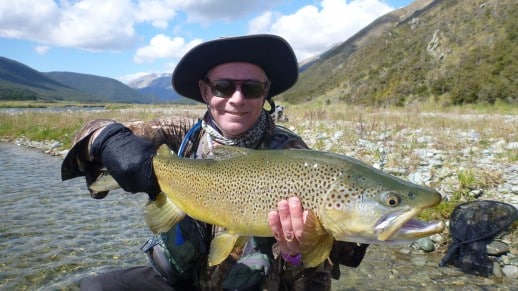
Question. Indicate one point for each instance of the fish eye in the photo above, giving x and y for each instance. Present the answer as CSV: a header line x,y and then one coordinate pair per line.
x,y
392,200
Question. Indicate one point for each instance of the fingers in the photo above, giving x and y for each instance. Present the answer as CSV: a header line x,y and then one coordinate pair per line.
x,y
283,208
296,216
287,223
275,224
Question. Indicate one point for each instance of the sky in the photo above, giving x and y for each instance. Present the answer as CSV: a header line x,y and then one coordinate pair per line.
x,y
125,39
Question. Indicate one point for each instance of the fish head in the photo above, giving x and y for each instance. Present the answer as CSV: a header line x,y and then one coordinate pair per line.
x,y
369,206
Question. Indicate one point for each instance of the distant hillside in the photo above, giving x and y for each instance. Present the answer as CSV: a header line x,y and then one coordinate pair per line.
x,y
106,88
20,82
454,51
159,88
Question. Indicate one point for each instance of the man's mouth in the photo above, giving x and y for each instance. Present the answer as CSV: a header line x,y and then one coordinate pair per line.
x,y
235,113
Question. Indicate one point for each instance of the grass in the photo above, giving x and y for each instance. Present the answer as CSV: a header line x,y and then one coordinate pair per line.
x,y
385,137
61,125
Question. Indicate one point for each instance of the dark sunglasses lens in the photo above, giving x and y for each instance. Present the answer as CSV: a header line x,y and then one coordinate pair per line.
x,y
222,88
252,89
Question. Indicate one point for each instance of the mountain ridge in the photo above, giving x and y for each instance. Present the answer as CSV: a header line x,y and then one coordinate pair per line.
x,y
451,51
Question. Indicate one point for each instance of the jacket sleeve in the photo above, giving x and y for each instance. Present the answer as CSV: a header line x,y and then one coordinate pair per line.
x,y
79,161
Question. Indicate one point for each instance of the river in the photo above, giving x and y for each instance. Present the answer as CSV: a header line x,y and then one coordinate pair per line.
x,y
53,235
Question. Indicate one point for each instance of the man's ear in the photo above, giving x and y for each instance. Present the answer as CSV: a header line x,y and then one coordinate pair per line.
x,y
203,91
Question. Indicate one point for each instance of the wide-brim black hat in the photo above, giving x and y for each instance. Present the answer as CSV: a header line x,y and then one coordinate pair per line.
x,y
270,52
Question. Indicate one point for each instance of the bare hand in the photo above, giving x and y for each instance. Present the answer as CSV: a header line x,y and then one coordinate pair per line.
x,y
287,223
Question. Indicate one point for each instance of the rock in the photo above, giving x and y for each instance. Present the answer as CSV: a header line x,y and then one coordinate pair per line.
x,y
496,248
405,251
420,178
426,244
419,261
436,163
510,271
497,270
55,144
512,146
437,238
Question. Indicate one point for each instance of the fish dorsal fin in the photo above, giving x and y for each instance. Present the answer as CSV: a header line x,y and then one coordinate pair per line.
x,y
162,214
223,152
221,246
316,243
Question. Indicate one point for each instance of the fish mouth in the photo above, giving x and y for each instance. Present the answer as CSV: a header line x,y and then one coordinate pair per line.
x,y
403,226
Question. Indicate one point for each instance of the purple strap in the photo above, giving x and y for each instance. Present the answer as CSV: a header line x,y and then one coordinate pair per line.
x,y
295,260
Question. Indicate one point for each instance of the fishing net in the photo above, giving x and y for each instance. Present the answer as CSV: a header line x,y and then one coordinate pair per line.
x,y
472,226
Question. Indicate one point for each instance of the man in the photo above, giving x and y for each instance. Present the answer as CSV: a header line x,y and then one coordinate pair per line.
x,y
234,77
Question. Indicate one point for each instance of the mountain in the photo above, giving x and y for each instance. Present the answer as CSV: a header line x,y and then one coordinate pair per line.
x,y
450,51
106,88
159,87
20,82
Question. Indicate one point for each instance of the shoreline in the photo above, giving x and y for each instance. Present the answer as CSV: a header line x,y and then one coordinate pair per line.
x,y
51,147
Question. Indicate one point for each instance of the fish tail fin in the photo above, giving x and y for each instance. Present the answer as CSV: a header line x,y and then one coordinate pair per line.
x,y
221,247
162,214
105,182
316,242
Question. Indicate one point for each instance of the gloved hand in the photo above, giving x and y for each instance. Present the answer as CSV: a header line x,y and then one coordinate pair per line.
x,y
128,158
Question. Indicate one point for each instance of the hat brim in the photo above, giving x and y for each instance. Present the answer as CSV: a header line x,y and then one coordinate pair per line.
x,y
270,52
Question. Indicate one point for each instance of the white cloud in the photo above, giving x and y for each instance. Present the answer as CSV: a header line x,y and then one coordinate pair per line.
x,y
85,24
157,12
42,49
27,19
311,30
163,47
96,25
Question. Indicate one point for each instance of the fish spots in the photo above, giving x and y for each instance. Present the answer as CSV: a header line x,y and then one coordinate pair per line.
x,y
339,199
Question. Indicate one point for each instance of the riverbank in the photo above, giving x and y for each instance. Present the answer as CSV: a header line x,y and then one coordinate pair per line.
x,y
464,155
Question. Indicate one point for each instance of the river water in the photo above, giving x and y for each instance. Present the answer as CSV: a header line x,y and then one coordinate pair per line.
x,y
53,235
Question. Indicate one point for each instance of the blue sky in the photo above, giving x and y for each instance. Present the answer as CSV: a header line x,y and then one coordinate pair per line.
x,y
123,39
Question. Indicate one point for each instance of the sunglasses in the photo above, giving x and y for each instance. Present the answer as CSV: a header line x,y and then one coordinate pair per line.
x,y
226,88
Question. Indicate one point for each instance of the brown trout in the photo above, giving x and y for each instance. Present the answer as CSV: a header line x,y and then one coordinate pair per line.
x,y
347,199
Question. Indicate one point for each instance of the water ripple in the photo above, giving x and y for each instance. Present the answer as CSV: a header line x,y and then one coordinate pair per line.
x,y
52,234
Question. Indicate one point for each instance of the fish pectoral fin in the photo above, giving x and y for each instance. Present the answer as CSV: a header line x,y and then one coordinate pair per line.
x,y
162,214
316,243
221,246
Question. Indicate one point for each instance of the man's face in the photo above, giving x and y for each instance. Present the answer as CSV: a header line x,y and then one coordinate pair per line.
x,y
235,114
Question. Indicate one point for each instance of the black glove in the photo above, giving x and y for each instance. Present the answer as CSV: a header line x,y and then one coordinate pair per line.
x,y
128,158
